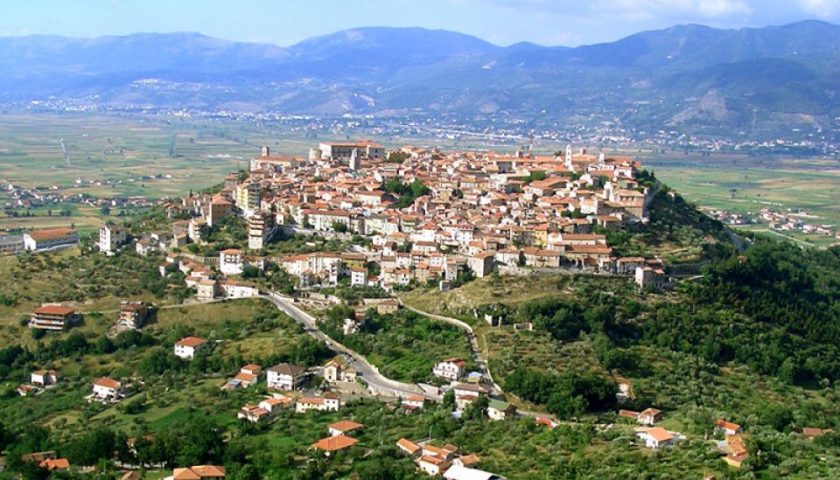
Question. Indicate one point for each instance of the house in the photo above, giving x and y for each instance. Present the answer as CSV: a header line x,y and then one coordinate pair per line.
x,y
413,402
236,289
649,417
247,376
111,238
481,264
499,410
49,239
55,464
649,278
206,289
343,427
133,315
547,422
735,450
467,460
335,371
43,377
231,262
198,472
408,446
107,389
285,376
458,472
433,465
253,413
334,444
38,457
728,428
54,317
27,390
187,347
812,433
655,437
449,369
329,402
273,404
466,393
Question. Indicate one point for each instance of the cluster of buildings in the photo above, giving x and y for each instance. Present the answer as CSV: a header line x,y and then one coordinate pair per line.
x,y
465,213
780,221
794,222
444,461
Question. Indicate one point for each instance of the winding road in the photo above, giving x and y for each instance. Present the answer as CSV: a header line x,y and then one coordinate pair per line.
x,y
377,383
495,389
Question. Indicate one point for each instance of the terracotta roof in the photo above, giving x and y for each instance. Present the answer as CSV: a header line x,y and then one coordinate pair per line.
x,y
55,310
657,433
51,234
56,464
191,342
287,369
331,444
107,383
345,426
408,445
198,472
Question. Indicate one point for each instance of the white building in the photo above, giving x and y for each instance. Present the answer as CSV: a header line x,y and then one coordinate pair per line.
x,y
450,369
50,238
655,437
43,377
285,376
187,347
329,402
231,262
111,238
107,389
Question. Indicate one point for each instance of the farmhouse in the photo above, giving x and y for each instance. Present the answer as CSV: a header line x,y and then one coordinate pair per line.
x,y
449,369
107,389
54,317
655,437
187,347
334,444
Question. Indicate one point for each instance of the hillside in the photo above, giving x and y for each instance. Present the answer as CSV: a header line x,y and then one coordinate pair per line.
x,y
687,76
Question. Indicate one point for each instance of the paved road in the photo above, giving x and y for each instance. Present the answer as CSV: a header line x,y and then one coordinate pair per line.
x,y
476,352
377,383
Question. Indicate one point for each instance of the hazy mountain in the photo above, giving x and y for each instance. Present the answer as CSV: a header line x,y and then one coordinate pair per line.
x,y
686,75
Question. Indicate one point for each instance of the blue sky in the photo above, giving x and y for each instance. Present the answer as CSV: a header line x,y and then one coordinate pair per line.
x,y
284,22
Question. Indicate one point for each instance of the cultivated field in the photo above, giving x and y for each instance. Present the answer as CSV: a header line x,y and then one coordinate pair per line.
x,y
744,184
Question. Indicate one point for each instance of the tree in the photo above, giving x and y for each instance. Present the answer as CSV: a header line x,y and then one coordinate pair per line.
x,y
477,410
98,444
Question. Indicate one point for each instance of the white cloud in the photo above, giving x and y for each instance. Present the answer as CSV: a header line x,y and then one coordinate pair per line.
x,y
821,8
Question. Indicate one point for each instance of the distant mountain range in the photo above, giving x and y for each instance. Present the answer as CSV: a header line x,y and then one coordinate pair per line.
x,y
686,76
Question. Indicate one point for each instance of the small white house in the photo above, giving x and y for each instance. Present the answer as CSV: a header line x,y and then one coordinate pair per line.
x,y
187,347
450,369
655,437
43,377
107,389
231,262
329,402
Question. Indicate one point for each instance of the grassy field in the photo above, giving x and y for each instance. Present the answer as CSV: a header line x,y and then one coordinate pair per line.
x,y
744,184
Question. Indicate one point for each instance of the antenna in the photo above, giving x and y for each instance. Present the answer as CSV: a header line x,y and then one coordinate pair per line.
x,y
64,150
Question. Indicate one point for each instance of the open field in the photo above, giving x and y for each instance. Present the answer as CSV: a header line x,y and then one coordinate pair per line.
x,y
744,184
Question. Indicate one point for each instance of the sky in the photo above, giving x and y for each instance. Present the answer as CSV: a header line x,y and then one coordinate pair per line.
x,y
503,22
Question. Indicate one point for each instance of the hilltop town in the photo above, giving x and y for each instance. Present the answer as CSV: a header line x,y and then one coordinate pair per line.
x,y
424,215
332,257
